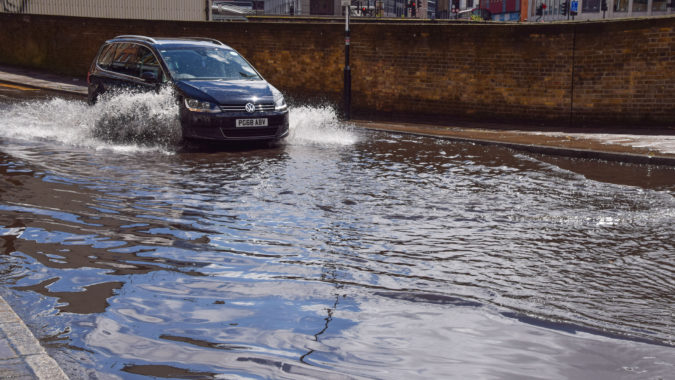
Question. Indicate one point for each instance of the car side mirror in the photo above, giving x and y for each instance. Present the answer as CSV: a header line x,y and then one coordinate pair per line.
x,y
149,77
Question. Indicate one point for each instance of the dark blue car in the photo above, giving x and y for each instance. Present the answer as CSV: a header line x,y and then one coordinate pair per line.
x,y
221,96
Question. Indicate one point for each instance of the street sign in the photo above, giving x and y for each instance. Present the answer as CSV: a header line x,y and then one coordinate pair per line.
x,y
575,6
346,3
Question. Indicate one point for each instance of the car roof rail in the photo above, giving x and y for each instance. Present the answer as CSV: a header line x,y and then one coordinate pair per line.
x,y
213,40
146,38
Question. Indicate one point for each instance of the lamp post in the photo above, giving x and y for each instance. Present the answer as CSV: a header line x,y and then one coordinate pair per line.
x,y
348,72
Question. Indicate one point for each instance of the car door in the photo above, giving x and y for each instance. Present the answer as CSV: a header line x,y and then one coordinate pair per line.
x,y
101,78
150,71
129,66
118,67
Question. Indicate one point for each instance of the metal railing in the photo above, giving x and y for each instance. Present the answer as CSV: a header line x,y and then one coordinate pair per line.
x,y
200,10
188,10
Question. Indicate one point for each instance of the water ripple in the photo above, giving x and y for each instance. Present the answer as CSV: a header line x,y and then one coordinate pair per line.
x,y
338,253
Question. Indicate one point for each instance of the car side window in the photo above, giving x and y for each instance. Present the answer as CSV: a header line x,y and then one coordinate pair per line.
x,y
147,63
125,59
106,56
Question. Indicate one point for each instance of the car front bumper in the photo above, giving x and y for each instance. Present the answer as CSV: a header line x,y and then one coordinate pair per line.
x,y
222,126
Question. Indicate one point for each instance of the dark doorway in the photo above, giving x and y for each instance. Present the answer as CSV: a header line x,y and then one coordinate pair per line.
x,y
321,7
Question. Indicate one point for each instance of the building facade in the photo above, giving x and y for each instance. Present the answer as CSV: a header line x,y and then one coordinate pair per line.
x,y
501,10
554,10
592,9
186,10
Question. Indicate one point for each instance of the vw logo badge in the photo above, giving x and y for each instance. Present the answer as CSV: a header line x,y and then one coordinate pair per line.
x,y
250,108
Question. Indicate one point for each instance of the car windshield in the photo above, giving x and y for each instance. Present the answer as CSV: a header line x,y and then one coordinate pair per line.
x,y
198,62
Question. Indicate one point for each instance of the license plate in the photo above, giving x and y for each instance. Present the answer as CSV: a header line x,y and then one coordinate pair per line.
x,y
244,123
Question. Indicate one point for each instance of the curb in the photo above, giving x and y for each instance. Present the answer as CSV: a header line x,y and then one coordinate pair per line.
x,y
62,89
550,150
49,83
21,355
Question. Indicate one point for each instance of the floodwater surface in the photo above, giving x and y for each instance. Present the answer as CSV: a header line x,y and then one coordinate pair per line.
x,y
339,253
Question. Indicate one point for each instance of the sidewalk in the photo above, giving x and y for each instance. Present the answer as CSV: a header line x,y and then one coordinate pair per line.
x,y
657,147
21,356
32,78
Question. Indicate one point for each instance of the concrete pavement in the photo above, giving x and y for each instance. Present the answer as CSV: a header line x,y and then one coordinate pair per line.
x,y
657,147
31,78
21,356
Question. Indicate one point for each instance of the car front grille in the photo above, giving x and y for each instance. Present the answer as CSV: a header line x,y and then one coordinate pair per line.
x,y
250,132
242,107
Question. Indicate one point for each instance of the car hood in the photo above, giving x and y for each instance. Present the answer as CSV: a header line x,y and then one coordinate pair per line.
x,y
227,91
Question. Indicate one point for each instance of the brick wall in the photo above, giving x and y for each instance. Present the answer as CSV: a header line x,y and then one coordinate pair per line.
x,y
302,59
489,72
612,72
625,71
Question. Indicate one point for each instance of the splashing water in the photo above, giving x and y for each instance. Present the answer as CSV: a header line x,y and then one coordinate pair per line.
x,y
57,120
122,121
318,125
138,118
128,122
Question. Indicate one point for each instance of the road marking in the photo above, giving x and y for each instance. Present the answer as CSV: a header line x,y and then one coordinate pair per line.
x,y
18,87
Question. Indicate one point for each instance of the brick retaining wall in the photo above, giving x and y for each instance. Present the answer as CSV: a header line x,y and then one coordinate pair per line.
x,y
605,72
625,70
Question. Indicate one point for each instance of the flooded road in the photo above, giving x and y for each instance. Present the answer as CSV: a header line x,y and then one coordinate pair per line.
x,y
340,253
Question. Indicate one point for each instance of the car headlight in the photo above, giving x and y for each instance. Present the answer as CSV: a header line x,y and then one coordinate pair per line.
x,y
279,102
195,105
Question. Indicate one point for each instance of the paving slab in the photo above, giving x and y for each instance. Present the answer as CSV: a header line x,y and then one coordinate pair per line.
x,y
37,79
21,355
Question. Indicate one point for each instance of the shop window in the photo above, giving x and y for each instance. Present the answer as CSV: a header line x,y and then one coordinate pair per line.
x,y
590,6
620,5
659,5
640,5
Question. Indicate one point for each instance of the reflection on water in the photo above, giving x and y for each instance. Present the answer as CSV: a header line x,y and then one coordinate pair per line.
x,y
338,253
